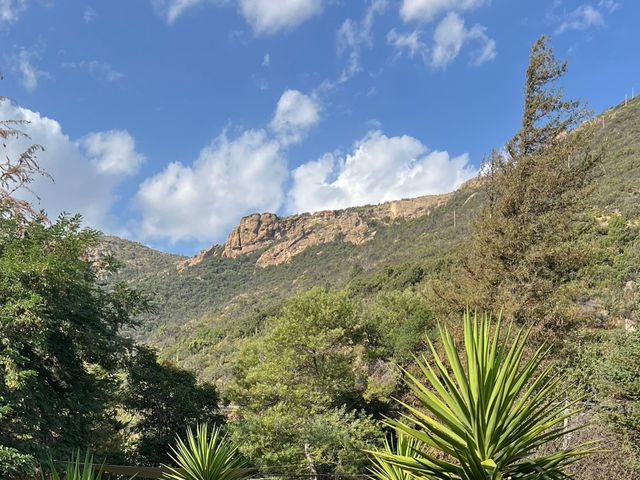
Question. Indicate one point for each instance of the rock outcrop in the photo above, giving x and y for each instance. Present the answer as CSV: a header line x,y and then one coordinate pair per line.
x,y
281,238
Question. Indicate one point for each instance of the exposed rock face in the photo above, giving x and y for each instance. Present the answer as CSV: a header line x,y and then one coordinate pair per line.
x,y
199,257
282,238
254,232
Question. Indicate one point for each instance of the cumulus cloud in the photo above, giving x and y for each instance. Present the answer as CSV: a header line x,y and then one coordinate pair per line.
x,y
113,152
428,10
295,114
10,10
450,36
267,16
379,169
79,184
23,63
230,178
353,36
98,69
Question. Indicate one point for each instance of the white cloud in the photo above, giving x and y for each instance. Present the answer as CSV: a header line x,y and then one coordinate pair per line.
x,y
230,178
10,10
427,10
450,36
353,35
266,61
112,152
23,63
487,50
379,169
295,114
584,17
409,41
78,185
269,16
97,68
172,9
264,16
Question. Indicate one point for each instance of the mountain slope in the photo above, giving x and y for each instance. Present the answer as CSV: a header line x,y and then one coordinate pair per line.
x,y
215,284
228,289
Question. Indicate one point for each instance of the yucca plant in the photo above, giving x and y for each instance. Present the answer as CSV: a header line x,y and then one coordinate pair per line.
x,y
206,457
77,468
488,417
403,446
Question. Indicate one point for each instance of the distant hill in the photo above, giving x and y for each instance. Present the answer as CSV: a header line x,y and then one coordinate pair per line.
x,y
266,258
226,290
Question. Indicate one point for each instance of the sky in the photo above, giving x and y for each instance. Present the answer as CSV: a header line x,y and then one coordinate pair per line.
x,y
166,121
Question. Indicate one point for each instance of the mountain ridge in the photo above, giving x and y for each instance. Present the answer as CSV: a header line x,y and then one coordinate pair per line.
x,y
283,237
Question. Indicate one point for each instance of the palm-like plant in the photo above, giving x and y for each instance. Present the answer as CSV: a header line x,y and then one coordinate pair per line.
x,y
488,420
403,446
77,468
206,457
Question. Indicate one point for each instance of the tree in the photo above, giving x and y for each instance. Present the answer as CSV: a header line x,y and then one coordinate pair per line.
x,y
524,249
59,333
161,400
485,413
398,322
301,388
17,174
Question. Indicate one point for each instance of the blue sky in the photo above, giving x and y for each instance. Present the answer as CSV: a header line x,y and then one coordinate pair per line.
x,y
165,121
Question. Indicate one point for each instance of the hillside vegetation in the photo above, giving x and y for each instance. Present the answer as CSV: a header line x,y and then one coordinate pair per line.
x,y
231,295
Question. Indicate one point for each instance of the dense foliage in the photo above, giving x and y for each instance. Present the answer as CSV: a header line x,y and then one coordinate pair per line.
x,y
59,331
305,387
160,399
68,377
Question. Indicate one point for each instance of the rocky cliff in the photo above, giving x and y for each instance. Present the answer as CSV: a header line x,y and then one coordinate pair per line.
x,y
281,238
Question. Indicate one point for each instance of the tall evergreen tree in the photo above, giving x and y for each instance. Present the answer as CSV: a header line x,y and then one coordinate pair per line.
x,y
523,252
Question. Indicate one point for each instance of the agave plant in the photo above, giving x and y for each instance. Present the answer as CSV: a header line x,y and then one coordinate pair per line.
x,y
206,457
77,468
488,417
